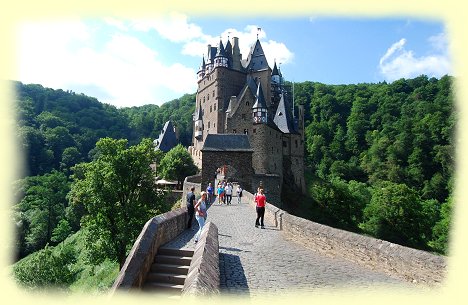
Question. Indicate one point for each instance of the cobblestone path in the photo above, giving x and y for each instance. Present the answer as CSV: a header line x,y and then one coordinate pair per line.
x,y
254,261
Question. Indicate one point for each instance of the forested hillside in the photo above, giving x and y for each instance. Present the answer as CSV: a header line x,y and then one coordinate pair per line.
x,y
382,157
59,128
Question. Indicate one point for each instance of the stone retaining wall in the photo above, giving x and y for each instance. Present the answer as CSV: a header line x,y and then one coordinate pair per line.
x,y
203,276
156,232
407,263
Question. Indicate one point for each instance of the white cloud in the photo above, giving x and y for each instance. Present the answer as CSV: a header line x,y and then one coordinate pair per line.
x,y
401,63
174,27
247,37
123,70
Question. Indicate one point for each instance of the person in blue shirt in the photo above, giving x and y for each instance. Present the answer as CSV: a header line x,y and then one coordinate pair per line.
x,y
210,192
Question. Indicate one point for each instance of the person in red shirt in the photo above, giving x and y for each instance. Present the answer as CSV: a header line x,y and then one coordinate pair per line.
x,y
260,200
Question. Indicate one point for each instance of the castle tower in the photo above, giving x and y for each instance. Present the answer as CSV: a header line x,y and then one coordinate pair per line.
x,y
259,109
246,96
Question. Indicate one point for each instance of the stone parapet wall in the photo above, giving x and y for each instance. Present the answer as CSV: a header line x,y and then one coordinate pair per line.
x,y
407,263
203,276
188,183
156,232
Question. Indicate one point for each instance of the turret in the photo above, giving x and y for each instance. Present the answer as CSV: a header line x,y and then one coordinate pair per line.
x,y
276,75
259,109
220,59
198,129
201,71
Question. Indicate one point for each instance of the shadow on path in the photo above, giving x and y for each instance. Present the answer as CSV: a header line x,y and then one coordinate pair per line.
x,y
232,278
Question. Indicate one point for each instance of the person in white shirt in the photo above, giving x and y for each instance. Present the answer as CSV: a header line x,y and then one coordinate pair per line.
x,y
228,191
239,194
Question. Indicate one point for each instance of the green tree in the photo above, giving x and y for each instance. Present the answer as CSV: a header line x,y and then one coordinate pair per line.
x,y
177,164
46,269
118,191
394,214
40,210
441,230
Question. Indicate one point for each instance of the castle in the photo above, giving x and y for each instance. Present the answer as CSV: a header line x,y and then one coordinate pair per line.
x,y
244,98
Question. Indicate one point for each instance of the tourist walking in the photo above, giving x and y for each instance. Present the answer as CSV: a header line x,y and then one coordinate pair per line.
x,y
220,191
228,192
200,214
260,200
190,206
239,194
210,192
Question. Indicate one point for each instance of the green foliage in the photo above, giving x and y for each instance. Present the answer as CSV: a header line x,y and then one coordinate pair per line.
x,y
40,210
394,214
117,190
46,269
177,164
441,229
372,133
62,231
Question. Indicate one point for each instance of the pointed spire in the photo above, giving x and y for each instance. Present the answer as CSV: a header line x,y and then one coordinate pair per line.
x,y
198,114
260,99
203,64
275,70
220,51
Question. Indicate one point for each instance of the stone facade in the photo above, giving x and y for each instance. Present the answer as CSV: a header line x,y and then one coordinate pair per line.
x,y
240,164
245,96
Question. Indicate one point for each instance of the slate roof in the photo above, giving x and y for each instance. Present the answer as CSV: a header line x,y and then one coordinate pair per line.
x,y
283,119
256,59
259,98
167,139
220,51
227,142
198,114
275,70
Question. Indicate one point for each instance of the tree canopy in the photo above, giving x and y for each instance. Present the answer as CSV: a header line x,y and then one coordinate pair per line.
x,y
118,192
177,164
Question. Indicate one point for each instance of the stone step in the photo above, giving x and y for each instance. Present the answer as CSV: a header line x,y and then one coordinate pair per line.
x,y
163,287
170,278
169,268
172,259
175,252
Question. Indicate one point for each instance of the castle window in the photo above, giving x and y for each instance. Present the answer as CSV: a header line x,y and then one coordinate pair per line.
x,y
247,104
209,124
203,99
213,92
211,108
214,125
243,116
246,131
296,143
285,144
208,97
214,108
234,131
254,130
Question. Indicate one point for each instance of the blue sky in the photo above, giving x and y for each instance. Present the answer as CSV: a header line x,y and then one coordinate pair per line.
x,y
132,62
